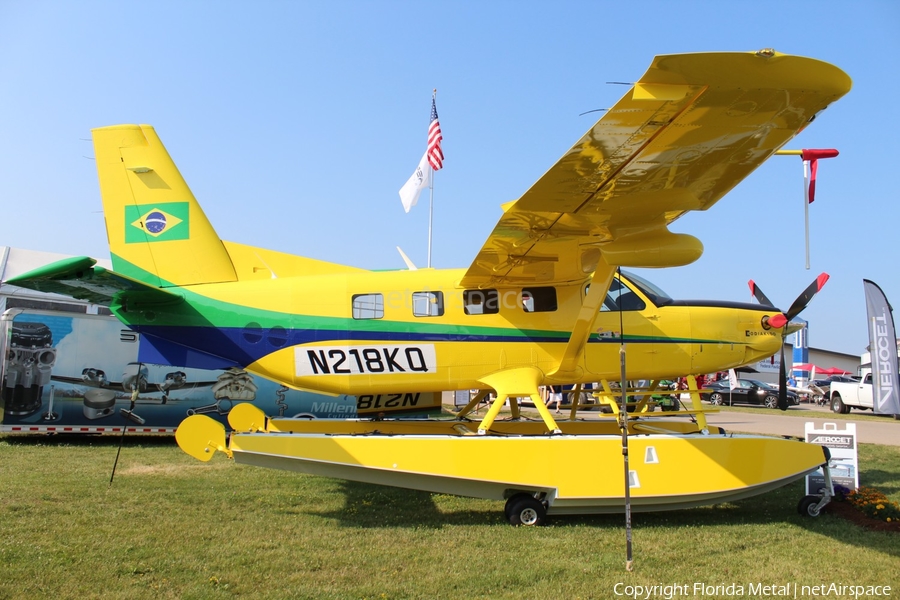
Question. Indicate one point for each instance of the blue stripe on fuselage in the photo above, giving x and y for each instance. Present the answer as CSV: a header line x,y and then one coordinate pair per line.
x,y
221,348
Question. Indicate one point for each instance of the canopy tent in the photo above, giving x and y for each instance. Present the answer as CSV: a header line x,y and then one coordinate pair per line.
x,y
819,370
833,371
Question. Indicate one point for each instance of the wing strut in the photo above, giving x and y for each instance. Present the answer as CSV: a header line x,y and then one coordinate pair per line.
x,y
584,323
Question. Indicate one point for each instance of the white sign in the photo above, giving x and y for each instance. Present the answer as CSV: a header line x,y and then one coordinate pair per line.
x,y
844,462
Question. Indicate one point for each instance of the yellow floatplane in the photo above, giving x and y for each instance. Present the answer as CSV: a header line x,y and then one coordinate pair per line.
x,y
544,302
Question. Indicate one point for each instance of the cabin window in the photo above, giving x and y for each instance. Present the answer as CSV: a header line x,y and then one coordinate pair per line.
x,y
621,297
368,306
428,304
539,299
481,302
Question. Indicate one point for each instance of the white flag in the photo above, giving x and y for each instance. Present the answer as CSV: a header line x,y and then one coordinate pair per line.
x,y
421,179
732,379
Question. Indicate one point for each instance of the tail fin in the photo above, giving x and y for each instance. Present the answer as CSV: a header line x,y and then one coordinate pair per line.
x,y
157,232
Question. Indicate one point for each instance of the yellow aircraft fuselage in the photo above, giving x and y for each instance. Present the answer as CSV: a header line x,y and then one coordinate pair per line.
x,y
413,331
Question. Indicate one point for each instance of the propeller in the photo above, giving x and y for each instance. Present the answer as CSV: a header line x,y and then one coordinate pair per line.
x,y
758,294
781,320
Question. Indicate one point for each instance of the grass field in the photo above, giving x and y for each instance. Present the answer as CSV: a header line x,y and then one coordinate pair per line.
x,y
171,527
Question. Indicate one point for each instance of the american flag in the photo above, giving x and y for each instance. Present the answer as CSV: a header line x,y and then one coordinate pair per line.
x,y
434,152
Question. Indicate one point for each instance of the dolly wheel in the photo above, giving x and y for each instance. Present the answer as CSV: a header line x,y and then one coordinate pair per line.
x,y
807,506
523,509
511,502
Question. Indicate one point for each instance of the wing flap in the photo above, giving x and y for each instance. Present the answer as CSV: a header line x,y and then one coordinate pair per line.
x,y
690,129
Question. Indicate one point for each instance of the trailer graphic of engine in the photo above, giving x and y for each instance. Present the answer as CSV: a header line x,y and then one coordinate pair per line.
x,y
29,360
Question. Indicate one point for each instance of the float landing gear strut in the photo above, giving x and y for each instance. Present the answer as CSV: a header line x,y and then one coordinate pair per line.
x,y
812,505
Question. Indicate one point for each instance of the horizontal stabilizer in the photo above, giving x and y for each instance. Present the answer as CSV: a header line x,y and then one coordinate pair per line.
x,y
79,277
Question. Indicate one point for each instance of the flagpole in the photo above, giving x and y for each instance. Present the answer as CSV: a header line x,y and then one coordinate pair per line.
x,y
431,183
431,212
433,161
806,206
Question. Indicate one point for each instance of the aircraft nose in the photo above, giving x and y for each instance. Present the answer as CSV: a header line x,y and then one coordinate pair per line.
x,y
761,343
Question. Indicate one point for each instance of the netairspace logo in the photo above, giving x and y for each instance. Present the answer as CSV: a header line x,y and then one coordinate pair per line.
x,y
749,590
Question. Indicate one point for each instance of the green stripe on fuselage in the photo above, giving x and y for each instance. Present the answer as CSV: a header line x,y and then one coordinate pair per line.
x,y
202,311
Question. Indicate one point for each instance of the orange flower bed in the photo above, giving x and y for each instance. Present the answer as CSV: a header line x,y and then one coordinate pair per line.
x,y
874,504
868,508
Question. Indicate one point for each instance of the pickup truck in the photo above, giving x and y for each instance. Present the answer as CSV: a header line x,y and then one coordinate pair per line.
x,y
858,394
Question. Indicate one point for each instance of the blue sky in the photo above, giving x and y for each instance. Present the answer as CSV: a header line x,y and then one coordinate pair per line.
x,y
296,123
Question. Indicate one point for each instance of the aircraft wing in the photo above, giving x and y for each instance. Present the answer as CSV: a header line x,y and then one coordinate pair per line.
x,y
80,381
687,132
118,386
79,277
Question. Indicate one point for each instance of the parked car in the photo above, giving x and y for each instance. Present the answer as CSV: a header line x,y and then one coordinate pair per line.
x,y
748,391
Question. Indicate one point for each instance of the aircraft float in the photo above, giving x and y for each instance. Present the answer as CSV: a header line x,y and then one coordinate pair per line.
x,y
543,302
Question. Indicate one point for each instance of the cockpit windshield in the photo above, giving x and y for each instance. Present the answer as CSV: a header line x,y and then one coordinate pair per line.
x,y
654,293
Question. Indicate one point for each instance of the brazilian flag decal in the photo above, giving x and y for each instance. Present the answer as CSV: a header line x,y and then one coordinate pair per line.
x,y
164,222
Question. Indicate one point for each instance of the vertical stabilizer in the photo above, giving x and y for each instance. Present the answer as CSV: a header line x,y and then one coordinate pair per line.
x,y
157,231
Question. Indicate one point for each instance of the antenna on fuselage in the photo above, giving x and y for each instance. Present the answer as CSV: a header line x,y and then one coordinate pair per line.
x,y
409,264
